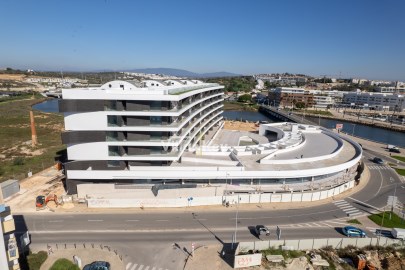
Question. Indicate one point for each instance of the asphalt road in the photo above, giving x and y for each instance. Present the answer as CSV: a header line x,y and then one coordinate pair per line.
x,y
136,234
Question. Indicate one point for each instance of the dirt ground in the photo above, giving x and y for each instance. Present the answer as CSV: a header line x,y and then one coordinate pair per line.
x,y
17,77
242,126
44,183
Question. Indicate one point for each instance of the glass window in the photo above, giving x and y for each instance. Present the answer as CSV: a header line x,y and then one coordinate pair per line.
x,y
156,120
112,120
113,151
113,163
112,136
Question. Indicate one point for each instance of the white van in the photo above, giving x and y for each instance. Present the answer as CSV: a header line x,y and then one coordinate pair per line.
x,y
398,233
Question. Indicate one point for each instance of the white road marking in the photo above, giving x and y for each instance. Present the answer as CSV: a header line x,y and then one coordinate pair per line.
x,y
134,267
154,268
52,221
147,268
132,220
162,220
140,267
352,211
94,220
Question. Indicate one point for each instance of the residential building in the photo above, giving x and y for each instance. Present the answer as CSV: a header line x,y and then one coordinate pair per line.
x,y
8,244
376,101
287,97
124,136
390,89
323,101
122,125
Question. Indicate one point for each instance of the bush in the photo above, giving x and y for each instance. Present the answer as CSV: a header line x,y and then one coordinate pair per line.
x,y
18,161
35,260
245,98
64,264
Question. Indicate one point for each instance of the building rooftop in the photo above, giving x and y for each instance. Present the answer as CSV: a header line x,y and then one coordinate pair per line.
x,y
298,147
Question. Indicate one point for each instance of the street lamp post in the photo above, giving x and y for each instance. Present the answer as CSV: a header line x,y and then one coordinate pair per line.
x,y
393,200
236,219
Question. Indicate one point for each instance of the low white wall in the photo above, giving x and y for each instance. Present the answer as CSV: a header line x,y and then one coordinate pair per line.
x,y
308,244
207,200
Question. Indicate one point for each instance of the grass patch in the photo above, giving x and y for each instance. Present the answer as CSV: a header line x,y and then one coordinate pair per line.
x,y
64,264
353,221
400,158
35,260
324,113
394,222
286,253
400,171
17,156
240,106
392,164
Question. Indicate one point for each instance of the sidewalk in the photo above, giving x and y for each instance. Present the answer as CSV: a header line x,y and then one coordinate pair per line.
x,y
87,254
209,258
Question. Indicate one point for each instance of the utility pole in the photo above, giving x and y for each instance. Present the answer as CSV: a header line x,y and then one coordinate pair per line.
x,y
393,200
236,219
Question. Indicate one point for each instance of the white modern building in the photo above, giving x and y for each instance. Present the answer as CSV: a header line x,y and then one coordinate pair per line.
x,y
323,101
123,136
376,100
390,89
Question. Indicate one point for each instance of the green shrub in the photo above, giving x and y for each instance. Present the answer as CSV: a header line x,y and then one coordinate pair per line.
x,y
64,264
35,260
18,161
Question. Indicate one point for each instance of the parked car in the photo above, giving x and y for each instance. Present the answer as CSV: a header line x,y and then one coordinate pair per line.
x,y
394,150
262,230
378,160
351,231
99,265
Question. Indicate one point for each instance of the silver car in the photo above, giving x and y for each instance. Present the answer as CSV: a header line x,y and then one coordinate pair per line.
x,y
262,230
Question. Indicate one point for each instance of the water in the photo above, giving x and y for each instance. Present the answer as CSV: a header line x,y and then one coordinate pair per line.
x,y
50,106
368,132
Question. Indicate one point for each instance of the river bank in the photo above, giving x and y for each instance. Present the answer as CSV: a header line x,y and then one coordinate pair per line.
x,y
354,119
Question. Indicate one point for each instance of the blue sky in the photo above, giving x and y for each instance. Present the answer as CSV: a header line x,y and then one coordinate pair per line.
x,y
354,38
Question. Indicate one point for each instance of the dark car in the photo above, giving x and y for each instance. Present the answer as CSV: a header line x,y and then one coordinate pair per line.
x,y
378,160
353,231
99,265
394,150
262,230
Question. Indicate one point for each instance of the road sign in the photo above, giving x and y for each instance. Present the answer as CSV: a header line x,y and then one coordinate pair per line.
x,y
278,232
339,126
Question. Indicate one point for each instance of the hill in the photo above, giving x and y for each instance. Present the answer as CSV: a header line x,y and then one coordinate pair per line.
x,y
183,73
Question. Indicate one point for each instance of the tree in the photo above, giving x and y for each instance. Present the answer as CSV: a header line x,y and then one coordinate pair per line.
x,y
245,98
299,105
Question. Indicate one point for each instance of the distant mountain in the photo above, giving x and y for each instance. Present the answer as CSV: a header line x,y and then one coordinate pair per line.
x,y
183,73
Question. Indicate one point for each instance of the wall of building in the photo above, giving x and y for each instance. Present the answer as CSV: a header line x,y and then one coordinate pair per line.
x,y
217,200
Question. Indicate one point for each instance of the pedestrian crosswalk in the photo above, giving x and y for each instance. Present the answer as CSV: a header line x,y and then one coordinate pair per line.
x,y
348,208
319,224
379,167
135,266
